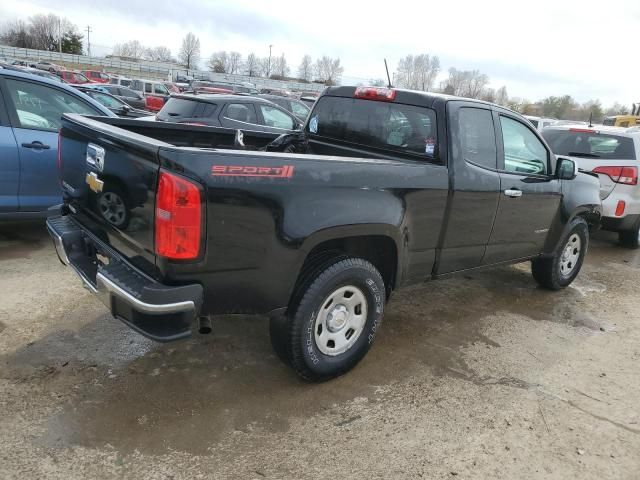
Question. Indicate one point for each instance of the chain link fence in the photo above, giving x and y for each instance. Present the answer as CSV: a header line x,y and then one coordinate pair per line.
x,y
146,69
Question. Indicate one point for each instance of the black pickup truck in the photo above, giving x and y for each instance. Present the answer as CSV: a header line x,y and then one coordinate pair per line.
x,y
171,224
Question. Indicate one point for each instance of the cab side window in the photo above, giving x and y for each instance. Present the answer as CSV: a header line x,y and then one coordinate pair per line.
x,y
524,153
477,137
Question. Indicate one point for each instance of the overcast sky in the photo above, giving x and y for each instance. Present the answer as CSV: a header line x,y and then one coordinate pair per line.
x,y
537,48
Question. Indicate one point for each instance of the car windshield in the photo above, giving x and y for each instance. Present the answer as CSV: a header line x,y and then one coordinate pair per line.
x,y
392,127
106,100
590,144
79,78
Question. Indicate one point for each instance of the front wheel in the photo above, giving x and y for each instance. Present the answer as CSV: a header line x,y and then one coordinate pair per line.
x,y
562,268
332,325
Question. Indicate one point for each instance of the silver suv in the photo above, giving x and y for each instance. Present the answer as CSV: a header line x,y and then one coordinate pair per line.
x,y
614,154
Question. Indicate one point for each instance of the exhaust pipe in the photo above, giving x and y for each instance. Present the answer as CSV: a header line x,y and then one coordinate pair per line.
x,y
204,325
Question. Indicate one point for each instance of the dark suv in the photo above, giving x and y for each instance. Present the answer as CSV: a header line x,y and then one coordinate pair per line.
x,y
231,111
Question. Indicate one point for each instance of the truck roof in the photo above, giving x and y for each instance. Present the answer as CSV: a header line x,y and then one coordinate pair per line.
x,y
411,97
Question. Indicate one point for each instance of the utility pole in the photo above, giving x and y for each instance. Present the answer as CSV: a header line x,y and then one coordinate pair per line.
x,y
269,64
88,41
59,34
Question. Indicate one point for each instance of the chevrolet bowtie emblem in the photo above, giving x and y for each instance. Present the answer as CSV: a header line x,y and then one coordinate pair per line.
x,y
94,182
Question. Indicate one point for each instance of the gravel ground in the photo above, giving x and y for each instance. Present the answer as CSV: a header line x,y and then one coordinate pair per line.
x,y
479,376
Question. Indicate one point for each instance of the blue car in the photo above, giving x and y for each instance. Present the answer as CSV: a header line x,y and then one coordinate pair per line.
x,y
30,112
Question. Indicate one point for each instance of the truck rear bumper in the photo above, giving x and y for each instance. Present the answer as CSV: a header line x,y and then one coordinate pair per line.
x,y
160,312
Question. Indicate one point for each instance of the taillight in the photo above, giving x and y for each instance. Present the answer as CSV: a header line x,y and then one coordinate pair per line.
x,y
375,93
625,175
178,218
582,130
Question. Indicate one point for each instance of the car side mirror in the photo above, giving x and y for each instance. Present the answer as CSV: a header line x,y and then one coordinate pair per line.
x,y
566,169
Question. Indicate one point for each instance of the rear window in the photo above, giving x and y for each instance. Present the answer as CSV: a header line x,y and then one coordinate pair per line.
x,y
576,143
391,127
176,109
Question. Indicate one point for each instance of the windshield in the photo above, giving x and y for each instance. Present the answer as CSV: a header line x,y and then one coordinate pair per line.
x,y
590,144
393,127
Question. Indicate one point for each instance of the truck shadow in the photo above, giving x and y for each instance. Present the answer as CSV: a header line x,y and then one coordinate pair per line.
x,y
21,239
121,389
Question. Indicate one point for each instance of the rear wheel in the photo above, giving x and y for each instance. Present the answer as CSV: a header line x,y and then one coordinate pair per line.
x,y
332,323
562,268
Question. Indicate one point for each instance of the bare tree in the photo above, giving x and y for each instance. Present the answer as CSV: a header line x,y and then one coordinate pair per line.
x,y
42,32
235,62
219,62
158,54
418,72
280,66
189,54
465,83
130,49
263,67
251,66
328,70
617,109
502,97
16,34
305,70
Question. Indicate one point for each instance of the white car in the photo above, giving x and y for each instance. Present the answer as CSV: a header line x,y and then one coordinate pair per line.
x,y
540,122
614,154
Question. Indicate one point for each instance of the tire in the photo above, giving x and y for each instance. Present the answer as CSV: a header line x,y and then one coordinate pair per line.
x,y
630,238
333,321
113,205
558,271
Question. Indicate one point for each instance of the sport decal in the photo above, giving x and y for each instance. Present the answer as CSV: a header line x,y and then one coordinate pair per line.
x,y
286,171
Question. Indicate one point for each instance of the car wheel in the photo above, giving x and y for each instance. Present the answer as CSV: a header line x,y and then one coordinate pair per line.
x,y
630,238
333,322
562,268
113,206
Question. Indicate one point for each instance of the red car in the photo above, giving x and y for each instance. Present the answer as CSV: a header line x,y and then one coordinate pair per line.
x,y
96,76
75,78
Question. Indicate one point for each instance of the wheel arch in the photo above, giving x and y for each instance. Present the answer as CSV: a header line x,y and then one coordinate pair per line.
x,y
378,244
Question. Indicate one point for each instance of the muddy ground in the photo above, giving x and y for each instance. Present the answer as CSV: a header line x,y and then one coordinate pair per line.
x,y
480,376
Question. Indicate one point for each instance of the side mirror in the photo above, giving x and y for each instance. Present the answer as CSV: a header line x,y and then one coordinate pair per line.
x,y
566,169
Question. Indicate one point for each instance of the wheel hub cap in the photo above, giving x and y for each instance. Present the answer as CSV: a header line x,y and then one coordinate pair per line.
x,y
340,320
337,318
570,255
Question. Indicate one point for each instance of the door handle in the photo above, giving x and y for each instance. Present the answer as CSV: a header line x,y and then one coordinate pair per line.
x,y
513,193
36,145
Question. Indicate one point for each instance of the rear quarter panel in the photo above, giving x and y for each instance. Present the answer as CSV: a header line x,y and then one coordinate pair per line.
x,y
260,229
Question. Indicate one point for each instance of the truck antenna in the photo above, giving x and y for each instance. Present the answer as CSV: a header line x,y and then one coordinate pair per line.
x,y
591,119
387,69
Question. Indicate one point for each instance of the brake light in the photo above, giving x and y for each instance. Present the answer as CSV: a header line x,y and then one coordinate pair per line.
x,y
178,218
376,93
625,175
582,130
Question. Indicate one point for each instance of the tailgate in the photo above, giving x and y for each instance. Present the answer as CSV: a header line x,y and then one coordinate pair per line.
x,y
109,177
